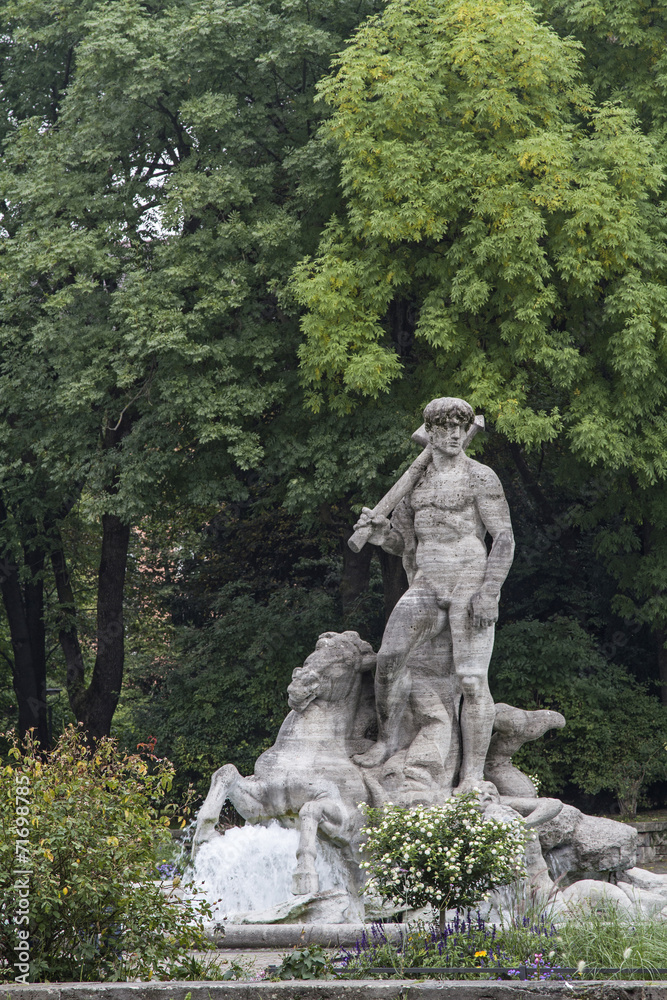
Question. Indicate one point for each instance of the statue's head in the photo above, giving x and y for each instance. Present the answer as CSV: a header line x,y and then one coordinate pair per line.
x,y
331,669
447,410
447,420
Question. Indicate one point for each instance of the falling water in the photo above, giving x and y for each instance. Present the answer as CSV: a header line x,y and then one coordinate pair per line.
x,y
250,868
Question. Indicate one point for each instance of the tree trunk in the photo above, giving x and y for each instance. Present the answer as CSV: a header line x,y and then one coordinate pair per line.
x,y
95,705
24,607
661,638
356,572
394,580
67,631
104,688
33,596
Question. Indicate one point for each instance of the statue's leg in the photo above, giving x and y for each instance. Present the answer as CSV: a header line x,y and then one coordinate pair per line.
x,y
512,728
222,782
537,871
415,619
247,795
426,755
535,811
472,648
328,811
251,797
435,710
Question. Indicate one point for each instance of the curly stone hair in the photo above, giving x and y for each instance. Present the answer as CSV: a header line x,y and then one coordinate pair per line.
x,y
440,411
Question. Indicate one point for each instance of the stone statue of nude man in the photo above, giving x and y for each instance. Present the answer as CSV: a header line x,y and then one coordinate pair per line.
x,y
439,529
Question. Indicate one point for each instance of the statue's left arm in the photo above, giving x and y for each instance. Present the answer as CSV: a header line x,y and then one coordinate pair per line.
x,y
495,515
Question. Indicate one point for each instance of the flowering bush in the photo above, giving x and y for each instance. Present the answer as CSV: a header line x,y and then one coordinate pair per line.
x,y
443,856
78,894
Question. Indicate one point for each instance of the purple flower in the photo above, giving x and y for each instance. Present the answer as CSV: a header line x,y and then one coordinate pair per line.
x,y
167,870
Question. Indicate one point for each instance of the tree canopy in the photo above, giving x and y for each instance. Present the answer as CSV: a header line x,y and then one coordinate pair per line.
x,y
156,182
500,182
484,182
243,244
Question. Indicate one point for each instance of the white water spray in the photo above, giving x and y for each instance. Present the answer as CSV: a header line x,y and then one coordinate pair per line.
x,y
250,869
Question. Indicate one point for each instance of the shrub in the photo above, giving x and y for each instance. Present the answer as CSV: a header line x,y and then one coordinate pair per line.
x,y
442,856
305,963
94,911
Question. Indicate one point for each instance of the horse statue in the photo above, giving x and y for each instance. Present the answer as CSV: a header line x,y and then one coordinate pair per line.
x,y
307,776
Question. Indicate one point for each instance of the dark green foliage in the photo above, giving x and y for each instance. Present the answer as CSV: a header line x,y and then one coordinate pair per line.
x,y
616,732
243,610
159,180
625,51
499,234
503,186
305,963
222,697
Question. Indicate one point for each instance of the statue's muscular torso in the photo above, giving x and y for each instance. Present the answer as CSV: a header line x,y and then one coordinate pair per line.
x,y
448,526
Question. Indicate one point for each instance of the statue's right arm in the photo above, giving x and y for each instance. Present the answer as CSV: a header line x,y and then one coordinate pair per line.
x,y
383,533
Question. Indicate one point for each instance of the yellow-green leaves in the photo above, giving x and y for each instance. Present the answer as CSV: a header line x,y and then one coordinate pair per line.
x,y
483,184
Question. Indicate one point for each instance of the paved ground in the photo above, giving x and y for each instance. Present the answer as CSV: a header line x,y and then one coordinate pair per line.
x,y
253,963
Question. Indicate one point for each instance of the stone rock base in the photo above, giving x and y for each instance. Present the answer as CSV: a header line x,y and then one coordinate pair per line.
x,y
577,847
331,906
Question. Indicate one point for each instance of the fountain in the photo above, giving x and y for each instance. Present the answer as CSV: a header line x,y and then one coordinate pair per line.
x,y
247,872
425,728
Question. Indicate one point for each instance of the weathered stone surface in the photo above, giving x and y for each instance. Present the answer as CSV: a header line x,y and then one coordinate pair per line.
x,y
605,845
560,830
640,878
446,505
298,934
436,721
591,891
577,846
343,990
512,727
333,906
434,711
308,772
649,903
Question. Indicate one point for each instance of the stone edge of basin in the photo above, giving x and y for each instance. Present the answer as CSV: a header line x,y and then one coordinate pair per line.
x,y
292,935
333,990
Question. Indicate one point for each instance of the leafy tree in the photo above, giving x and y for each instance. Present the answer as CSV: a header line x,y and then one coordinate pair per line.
x,y
93,909
624,45
158,180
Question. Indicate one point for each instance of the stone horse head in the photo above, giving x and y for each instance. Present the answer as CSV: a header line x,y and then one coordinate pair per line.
x,y
332,671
